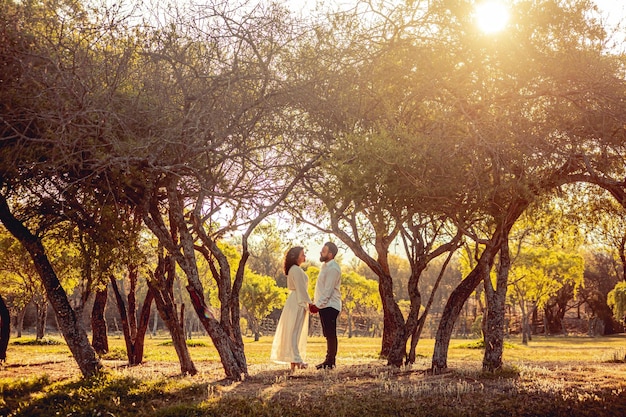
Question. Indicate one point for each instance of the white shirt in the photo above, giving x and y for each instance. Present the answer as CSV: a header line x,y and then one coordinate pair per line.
x,y
327,292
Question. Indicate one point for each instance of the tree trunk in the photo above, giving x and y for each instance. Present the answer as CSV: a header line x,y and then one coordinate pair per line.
x,y
181,319
133,271
409,328
5,329
349,315
99,339
255,325
422,320
160,287
622,255
225,347
394,329
42,317
466,287
525,328
155,323
20,322
455,303
494,318
121,308
225,334
71,326
134,335
142,327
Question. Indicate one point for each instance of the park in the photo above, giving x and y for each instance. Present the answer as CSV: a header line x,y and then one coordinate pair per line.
x,y
158,161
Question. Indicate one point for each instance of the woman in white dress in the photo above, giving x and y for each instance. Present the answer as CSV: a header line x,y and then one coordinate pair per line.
x,y
289,344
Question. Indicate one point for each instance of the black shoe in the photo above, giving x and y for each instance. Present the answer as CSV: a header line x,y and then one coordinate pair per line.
x,y
325,365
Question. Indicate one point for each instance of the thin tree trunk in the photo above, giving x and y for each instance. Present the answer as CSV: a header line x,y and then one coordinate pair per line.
x,y
161,288
5,329
133,272
181,319
142,326
622,255
349,324
71,326
155,323
525,327
99,339
42,317
121,308
20,322
422,320
222,333
494,319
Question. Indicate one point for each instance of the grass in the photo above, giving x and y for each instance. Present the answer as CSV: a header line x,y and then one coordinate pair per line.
x,y
552,376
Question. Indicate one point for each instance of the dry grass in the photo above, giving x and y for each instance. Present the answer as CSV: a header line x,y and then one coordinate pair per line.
x,y
573,376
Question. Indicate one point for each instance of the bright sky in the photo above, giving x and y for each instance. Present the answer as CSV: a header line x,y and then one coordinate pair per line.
x,y
613,9
492,19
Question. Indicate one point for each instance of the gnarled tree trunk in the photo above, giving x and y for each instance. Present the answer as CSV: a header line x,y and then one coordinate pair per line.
x,y
455,303
161,288
134,335
70,324
494,317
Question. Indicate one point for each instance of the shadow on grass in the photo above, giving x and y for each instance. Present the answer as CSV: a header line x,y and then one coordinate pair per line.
x,y
102,395
358,391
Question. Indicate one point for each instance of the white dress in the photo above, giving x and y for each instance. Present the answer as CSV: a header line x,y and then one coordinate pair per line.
x,y
293,326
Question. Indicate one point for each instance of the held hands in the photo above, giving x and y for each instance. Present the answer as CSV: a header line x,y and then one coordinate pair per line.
x,y
313,308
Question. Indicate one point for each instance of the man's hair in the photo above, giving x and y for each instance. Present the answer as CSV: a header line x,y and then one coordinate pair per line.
x,y
332,248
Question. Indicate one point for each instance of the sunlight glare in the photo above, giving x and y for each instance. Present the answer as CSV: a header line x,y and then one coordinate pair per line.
x,y
491,16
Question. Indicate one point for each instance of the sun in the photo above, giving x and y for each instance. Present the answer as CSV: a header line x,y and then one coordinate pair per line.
x,y
491,16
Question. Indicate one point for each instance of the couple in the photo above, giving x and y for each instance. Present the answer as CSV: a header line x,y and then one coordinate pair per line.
x,y
289,344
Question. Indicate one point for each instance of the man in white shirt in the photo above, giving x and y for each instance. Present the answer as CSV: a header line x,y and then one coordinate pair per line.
x,y
327,301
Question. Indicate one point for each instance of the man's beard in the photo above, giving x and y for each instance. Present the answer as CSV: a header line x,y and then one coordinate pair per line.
x,y
323,258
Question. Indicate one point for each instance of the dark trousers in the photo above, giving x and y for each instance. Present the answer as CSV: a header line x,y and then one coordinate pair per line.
x,y
328,318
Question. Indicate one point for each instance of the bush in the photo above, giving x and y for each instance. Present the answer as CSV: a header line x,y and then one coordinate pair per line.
x,y
46,341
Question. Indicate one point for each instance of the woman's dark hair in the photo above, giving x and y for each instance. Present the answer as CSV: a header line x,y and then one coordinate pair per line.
x,y
291,258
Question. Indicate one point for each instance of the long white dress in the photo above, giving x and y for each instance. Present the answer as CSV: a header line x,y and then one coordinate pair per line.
x,y
289,343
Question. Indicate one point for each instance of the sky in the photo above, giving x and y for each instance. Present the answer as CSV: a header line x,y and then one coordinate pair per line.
x,y
613,9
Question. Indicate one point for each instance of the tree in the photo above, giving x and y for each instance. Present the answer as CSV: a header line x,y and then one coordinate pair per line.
x,y
230,163
537,276
71,326
266,251
358,295
379,79
19,279
76,97
259,297
600,278
519,139
617,301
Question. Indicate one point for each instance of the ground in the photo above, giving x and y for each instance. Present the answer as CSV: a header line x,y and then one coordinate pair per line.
x,y
557,377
